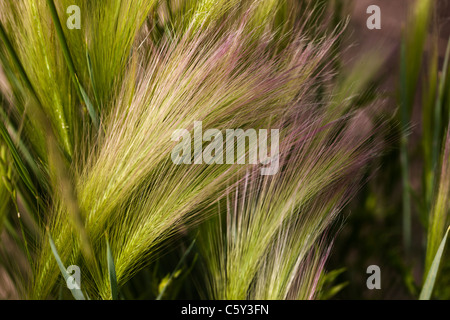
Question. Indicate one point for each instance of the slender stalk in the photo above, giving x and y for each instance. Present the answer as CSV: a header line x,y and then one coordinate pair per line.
x,y
437,126
405,115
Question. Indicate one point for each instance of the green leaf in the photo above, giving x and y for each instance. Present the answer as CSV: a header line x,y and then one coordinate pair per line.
x,y
438,109
90,107
71,66
112,272
428,286
411,61
77,293
327,287
20,166
175,273
330,293
91,75
16,61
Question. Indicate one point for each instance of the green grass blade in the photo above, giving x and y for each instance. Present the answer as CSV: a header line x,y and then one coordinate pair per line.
x,y
46,125
22,229
90,107
430,85
68,57
77,294
112,272
16,60
180,263
328,288
438,110
411,61
61,37
22,147
91,75
405,114
428,286
20,166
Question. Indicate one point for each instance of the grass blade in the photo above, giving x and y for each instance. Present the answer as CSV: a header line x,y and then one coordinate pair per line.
x,y
180,263
20,166
411,61
405,115
112,272
68,57
439,213
438,109
90,107
91,75
428,286
77,294
16,60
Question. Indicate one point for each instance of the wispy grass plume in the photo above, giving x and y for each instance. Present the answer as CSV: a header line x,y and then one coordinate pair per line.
x,y
268,241
141,70
224,77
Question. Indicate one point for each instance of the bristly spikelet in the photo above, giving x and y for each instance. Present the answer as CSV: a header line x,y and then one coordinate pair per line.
x,y
152,67
43,62
107,34
227,79
272,227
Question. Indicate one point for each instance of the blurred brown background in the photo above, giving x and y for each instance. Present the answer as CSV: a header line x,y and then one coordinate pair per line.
x,y
351,253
